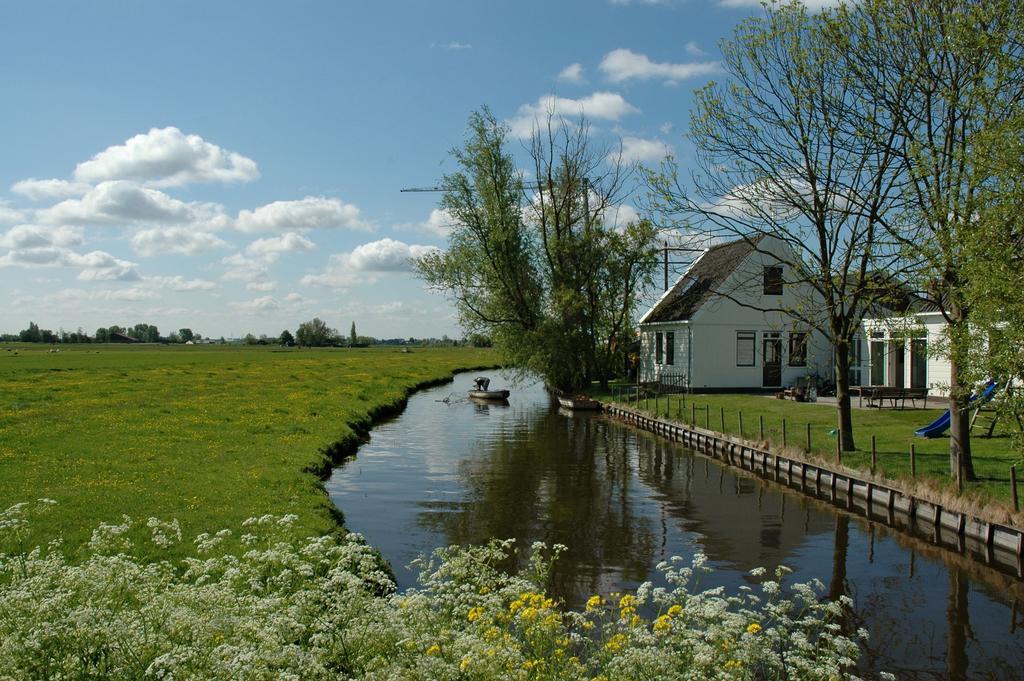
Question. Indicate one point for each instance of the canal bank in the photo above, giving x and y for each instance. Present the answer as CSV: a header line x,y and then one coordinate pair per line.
x,y
994,544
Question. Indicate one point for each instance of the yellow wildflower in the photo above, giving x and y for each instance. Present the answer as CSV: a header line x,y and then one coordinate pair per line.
x,y
627,601
753,628
594,602
434,649
675,610
733,664
484,590
474,614
663,624
529,614
464,664
615,643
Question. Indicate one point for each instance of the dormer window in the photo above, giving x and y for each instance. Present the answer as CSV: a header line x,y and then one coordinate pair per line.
x,y
773,280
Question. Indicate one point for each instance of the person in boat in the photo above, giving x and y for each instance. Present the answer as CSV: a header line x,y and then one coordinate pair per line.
x,y
482,383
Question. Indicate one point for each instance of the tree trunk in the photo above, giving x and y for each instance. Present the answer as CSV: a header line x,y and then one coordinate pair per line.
x,y
960,465
843,406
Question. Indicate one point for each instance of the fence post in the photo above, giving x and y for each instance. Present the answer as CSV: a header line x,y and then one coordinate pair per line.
x,y
741,424
874,455
1013,488
721,416
783,433
657,395
913,462
808,437
707,416
839,448
760,427
693,413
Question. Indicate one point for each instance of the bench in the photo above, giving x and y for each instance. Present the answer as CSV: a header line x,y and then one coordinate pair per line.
x,y
879,394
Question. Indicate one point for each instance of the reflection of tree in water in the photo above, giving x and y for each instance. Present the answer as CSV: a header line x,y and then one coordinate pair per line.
x,y
556,480
740,521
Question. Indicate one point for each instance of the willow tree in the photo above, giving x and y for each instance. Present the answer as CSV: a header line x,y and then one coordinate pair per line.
x,y
540,267
948,74
785,149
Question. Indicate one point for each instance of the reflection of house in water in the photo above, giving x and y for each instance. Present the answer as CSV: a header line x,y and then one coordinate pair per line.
x,y
739,521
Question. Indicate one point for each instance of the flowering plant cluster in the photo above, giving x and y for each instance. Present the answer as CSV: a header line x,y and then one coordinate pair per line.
x,y
325,607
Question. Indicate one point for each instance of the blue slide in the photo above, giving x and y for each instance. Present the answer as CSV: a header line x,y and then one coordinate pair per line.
x,y
939,425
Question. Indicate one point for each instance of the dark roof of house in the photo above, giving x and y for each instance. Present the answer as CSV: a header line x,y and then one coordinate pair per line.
x,y
701,281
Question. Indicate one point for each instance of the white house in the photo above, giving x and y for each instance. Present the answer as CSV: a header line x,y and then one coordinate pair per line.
x,y
710,331
898,354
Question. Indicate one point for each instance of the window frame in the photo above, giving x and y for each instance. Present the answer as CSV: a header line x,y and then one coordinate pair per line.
x,y
771,280
659,347
803,337
670,348
747,336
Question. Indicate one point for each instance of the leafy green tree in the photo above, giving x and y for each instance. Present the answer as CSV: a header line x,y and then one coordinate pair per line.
x,y
352,337
286,338
315,333
948,73
102,335
32,334
186,335
540,270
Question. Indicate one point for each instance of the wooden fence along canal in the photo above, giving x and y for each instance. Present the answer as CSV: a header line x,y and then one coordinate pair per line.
x,y
997,545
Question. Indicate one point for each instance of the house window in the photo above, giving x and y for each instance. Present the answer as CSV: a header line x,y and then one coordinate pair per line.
x,y
670,347
856,358
798,349
877,359
657,347
918,363
745,341
773,280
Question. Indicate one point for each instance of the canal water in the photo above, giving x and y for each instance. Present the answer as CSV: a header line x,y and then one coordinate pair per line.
x,y
451,471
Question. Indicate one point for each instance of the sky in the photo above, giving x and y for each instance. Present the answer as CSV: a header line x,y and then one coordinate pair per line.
x,y
235,167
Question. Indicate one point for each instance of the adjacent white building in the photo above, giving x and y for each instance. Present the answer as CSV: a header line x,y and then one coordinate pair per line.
x,y
898,352
710,331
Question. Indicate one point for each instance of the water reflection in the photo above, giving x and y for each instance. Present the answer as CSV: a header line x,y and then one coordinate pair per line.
x,y
622,501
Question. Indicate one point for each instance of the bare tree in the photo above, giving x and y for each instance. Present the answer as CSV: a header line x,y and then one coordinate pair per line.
x,y
786,149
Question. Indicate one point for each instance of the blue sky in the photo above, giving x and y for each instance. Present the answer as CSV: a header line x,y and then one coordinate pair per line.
x,y
234,167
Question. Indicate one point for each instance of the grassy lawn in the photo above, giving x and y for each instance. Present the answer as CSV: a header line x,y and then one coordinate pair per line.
x,y
893,431
205,434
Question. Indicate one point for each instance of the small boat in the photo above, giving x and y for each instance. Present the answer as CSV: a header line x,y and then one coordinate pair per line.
x,y
580,403
490,395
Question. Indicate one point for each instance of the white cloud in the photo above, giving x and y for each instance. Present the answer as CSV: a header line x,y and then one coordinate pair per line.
x,y
33,236
666,128
621,215
180,283
439,224
178,240
694,50
312,212
639,149
118,294
269,250
624,64
126,203
573,73
240,268
599,105
387,255
165,157
377,257
95,265
8,215
49,190
260,305
452,45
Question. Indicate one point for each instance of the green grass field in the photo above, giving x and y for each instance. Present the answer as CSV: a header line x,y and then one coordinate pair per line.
x,y
206,434
893,431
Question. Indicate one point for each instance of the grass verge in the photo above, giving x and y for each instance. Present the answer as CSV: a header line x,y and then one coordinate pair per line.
x,y
208,435
893,431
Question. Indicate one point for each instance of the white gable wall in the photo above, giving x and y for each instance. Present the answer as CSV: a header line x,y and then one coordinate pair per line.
x,y
883,366
710,336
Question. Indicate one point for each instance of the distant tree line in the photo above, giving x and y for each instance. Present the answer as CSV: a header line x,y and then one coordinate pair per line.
x,y
314,333
142,333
